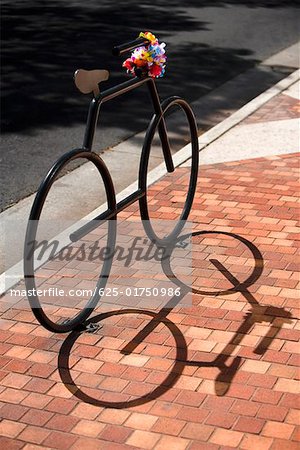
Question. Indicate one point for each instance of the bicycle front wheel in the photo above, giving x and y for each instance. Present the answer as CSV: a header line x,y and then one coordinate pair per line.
x,y
169,197
64,271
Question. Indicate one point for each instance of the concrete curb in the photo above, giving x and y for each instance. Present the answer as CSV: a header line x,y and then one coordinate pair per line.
x,y
180,157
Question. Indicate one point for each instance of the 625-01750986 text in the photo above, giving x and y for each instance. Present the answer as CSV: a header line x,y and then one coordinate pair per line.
x,y
107,292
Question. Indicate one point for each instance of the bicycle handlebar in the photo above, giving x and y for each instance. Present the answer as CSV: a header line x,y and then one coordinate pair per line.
x,y
127,46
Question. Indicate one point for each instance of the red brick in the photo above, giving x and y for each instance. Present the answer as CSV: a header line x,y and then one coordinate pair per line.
x,y
110,398
86,411
114,416
111,369
156,378
278,430
39,385
252,441
59,440
36,417
4,334
285,385
59,405
172,442
141,421
279,371
12,395
10,429
282,444
18,365
245,408
61,422
88,365
262,380
277,413
293,417
241,391
12,412
20,340
249,425
115,433
35,435
192,414
4,360
296,434
10,444
15,380
278,357
43,343
267,396
167,425
157,364
289,335
95,444
218,403
132,374
36,400
41,370
88,428
165,409
137,389
143,439
290,401
86,351
294,360
226,437
190,398
197,431
196,445
113,384
89,379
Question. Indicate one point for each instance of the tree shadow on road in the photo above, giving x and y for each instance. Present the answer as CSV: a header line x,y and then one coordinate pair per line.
x,y
43,44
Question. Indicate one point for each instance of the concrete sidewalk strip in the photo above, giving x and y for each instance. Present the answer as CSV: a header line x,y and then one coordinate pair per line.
x,y
272,129
235,119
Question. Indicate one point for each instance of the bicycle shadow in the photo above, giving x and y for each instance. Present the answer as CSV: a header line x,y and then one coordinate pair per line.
x,y
227,370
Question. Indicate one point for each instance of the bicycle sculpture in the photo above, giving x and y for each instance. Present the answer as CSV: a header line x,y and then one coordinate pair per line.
x,y
146,63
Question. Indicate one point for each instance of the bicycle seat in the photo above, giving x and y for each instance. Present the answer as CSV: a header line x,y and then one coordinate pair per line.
x,y
87,81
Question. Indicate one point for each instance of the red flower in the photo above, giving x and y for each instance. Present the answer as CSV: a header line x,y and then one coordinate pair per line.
x,y
155,70
128,64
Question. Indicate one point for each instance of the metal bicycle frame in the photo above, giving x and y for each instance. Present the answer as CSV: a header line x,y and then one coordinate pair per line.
x,y
92,121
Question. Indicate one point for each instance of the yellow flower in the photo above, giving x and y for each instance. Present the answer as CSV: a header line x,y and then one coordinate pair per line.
x,y
149,36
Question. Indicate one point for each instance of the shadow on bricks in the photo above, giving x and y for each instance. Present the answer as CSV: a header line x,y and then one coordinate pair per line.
x,y
227,364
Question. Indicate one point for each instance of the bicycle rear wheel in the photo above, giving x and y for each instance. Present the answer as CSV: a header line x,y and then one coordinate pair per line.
x,y
57,249
159,205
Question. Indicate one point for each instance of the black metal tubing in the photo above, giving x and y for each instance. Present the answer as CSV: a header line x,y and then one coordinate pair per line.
x,y
121,89
127,46
154,124
162,130
32,230
92,120
106,215
105,96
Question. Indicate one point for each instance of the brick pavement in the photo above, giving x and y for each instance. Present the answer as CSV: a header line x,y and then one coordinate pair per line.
x,y
220,374
281,107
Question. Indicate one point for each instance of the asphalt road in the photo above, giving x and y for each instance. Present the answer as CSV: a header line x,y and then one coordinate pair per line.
x,y
43,43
